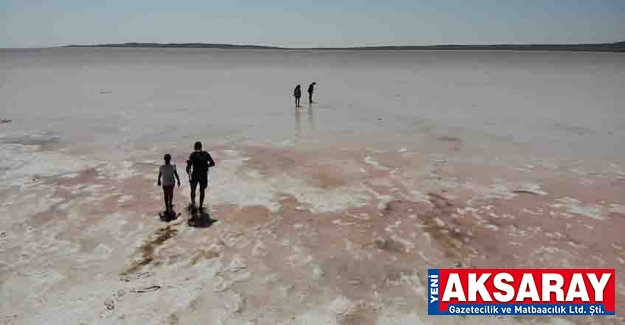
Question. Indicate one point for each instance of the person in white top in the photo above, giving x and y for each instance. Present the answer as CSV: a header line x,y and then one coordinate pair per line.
x,y
169,175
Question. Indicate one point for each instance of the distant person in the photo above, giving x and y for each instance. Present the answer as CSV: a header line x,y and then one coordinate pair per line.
x,y
197,168
311,89
169,175
297,93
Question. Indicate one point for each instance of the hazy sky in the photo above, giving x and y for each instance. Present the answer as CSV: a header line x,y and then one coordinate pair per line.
x,y
300,23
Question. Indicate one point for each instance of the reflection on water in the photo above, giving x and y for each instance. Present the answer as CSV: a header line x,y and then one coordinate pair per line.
x,y
311,119
298,123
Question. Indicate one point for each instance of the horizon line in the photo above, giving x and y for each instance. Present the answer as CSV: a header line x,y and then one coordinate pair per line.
x,y
618,46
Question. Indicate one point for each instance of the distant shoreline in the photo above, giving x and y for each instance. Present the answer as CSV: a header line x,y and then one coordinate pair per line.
x,y
603,47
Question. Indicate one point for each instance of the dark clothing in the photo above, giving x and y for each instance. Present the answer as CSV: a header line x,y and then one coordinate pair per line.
x,y
198,164
297,93
168,194
311,89
168,191
202,181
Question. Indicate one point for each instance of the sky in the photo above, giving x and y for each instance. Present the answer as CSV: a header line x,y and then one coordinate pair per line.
x,y
310,23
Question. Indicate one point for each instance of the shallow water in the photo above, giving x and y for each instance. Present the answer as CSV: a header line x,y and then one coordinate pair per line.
x,y
563,103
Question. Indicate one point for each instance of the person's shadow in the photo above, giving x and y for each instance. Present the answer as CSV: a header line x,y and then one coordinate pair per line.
x,y
169,216
200,219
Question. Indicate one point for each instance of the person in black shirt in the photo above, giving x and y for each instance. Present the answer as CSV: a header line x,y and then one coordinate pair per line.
x,y
311,89
297,93
197,168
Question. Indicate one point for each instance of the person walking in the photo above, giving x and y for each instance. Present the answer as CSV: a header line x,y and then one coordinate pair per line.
x,y
169,176
197,168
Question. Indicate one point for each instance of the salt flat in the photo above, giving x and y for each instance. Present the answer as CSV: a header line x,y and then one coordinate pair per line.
x,y
330,214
